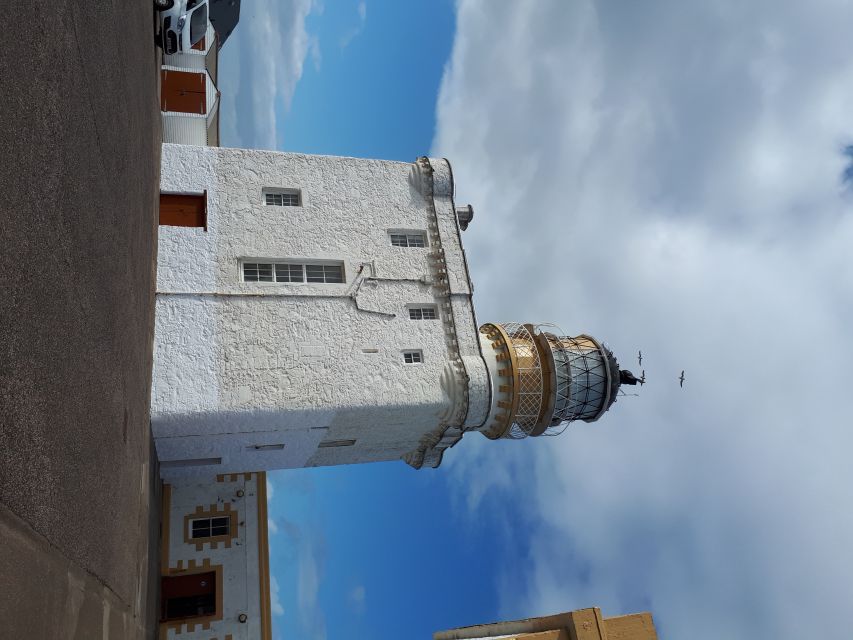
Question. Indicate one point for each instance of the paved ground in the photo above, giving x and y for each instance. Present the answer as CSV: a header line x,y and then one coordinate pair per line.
x,y
79,169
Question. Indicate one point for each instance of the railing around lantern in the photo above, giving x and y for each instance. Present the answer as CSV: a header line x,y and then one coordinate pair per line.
x,y
530,380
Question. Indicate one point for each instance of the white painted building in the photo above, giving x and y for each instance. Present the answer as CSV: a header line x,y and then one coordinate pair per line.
x,y
318,310
189,97
214,561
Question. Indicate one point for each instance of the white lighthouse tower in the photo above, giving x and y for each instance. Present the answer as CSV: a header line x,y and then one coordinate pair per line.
x,y
316,310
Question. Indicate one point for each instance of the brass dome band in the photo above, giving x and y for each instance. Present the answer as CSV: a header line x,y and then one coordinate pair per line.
x,y
507,374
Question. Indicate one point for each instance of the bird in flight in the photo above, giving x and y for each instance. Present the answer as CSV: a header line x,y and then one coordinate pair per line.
x,y
643,377
681,379
640,358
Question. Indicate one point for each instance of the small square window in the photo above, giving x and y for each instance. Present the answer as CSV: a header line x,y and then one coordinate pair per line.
x,y
422,313
282,198
417,240
412,357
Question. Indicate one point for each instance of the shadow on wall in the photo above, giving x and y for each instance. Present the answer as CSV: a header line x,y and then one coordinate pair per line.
x,y
205,443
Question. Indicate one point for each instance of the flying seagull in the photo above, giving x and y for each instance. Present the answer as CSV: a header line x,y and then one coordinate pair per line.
x,y
640,358
643,377
681,379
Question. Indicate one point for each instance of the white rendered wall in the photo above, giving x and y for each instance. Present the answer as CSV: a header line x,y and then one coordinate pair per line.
x,y
186,60
243,364
240,561
490,356
184,128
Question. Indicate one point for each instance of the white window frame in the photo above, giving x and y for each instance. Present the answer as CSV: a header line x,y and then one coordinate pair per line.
x,y
275,191
210,520
273,272
416,355
423,312
409,234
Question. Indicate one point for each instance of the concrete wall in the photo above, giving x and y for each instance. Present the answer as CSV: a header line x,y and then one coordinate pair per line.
x,y
241,364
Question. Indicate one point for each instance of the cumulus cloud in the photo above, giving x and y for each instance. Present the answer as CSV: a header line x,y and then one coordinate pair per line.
x,y
307,544
357,599
308,588
275,599
260,66
669,177
355,31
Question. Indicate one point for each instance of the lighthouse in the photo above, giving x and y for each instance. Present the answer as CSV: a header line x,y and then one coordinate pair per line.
x,y
317,310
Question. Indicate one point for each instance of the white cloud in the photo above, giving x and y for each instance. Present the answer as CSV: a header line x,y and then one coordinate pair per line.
x,y
260,66
669,175
357,599
307,590
272,526
270,489
304,545
355,31
275,600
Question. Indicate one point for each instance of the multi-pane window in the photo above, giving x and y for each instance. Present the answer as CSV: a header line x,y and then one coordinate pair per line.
x,y
422,313
293,272
324,273
210,527
408,239
412,357
286,272
282,199
255,272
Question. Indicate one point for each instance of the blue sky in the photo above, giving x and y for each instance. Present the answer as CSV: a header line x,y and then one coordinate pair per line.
x,y
372,93
367,82
664,176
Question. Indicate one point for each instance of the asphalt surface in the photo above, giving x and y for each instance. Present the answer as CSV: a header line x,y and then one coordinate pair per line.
x,y
79,173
